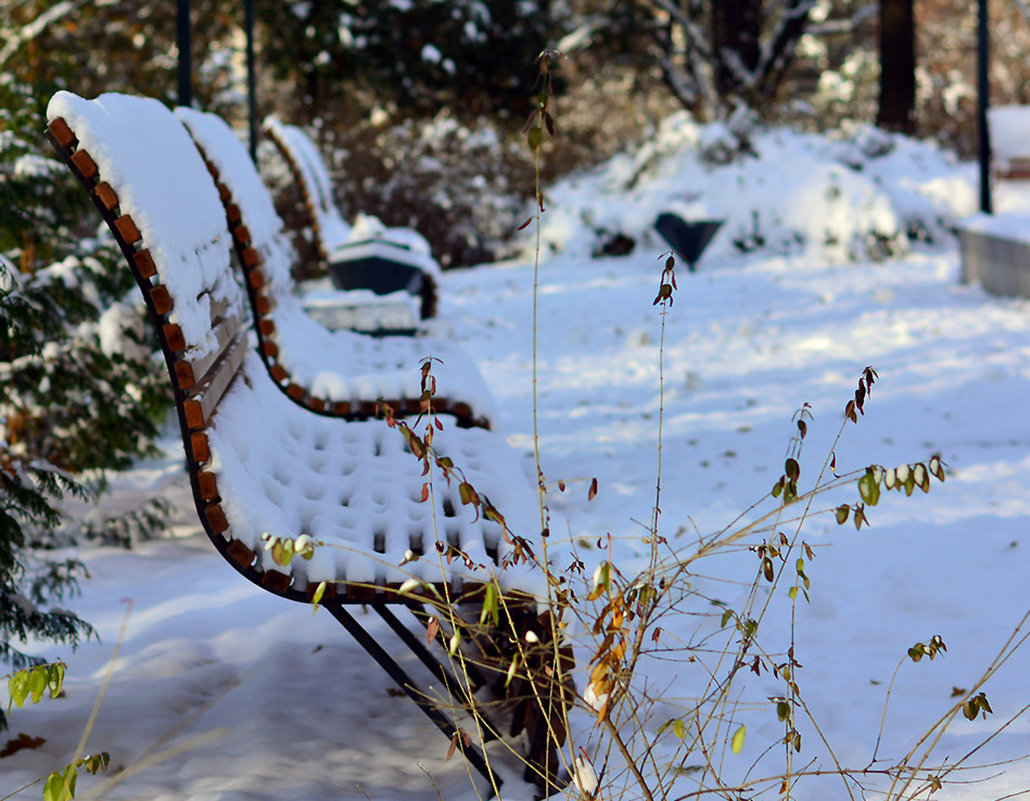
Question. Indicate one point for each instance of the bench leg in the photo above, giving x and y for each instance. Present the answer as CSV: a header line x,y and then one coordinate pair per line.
x,y
535,700
396,672
417,647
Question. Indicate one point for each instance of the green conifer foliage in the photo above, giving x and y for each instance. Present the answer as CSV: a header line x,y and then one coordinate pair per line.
x,y
81,390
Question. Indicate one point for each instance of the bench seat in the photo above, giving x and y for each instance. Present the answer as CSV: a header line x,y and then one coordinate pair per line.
x,y
357,487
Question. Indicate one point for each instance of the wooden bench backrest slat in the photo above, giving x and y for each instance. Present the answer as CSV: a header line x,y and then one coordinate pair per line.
x,y
189,371
208,391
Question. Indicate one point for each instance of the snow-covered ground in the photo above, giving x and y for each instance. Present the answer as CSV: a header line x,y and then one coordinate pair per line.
x,y
269,701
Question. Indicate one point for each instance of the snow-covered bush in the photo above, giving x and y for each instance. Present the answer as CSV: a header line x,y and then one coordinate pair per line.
x,y
856,194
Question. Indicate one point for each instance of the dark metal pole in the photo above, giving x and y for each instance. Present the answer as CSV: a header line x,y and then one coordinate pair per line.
x,y
185,60
248,13
983,102
396,672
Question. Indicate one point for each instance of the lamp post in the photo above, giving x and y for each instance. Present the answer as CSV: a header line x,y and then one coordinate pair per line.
x,y
983,101
248,17
185,68
182,38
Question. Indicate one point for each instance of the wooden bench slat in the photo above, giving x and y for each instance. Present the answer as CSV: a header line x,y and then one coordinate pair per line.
x,y
240,554
216,518
126,228
208,391
144,263
106,195
188,371
62,133
276,582
207,485
85,164
201,447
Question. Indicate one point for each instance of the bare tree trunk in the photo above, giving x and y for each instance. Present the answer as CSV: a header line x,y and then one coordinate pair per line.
x,y
736,36
897,66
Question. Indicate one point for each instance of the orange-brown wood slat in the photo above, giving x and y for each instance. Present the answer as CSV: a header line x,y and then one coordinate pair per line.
x,y
62,133
240,554
216,518
161,299
184,377
144,263
276,581
84,163
256,278
241,234
207,485
106,195
250,257
174,337
127,230
271,350
201,447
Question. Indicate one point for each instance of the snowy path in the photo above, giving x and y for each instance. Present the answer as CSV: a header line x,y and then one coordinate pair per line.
x,y
307,714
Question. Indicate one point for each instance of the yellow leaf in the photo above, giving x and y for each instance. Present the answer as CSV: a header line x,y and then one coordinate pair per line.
x,y
737,743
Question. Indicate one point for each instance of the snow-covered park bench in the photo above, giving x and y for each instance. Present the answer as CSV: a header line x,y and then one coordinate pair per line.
x,y
347,498
995,248
1010,142
333,372
368,255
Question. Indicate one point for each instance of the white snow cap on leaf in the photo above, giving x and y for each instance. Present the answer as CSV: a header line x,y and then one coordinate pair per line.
x,y
584,776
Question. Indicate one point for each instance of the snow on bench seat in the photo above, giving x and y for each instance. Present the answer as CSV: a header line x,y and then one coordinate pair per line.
x,y
330,369
357,487
261,464
1009,128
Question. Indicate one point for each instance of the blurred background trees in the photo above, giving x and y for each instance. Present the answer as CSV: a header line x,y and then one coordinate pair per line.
x,y
418,106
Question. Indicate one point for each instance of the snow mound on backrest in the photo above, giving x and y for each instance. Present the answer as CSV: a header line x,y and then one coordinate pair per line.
x,y
147,156
855,194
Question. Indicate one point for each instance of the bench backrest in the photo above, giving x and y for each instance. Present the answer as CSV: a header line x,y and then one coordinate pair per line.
x,y
311,175
262,246
153,190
